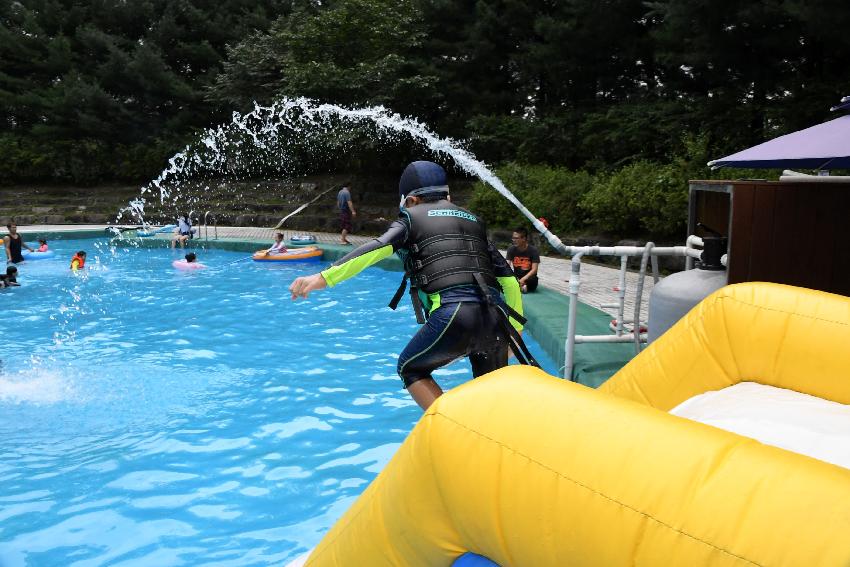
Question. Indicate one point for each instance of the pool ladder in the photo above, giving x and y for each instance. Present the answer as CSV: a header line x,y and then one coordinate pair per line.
x,y
206,226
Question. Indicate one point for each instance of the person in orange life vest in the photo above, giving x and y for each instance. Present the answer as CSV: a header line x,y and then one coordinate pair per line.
x,y
78,261
524,258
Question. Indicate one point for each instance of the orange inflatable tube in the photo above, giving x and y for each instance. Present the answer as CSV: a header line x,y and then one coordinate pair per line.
x,y
308,254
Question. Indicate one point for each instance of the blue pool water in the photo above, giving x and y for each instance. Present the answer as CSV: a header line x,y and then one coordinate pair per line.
x,y
156,417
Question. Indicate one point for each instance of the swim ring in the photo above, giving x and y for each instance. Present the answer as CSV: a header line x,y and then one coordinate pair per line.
x,y
37,255
301,240
184,265
309,254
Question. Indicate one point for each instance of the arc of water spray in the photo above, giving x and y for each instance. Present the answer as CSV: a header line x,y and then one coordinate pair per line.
x,y
270,118
389,121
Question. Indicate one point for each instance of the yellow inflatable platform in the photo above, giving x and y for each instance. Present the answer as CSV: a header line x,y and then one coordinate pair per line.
x,y
530,470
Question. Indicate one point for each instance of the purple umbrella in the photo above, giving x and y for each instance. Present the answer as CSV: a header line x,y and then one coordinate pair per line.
x,y
825,146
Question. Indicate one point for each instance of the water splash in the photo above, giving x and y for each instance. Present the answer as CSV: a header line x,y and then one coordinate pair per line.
x,y
35,386
270,129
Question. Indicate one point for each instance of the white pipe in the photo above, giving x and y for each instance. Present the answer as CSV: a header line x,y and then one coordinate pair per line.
x,y
575,284
639,296
621,303
693,240
632,251
646,252
624,338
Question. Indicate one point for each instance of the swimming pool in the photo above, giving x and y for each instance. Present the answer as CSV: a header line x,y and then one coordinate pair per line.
x,y
156,417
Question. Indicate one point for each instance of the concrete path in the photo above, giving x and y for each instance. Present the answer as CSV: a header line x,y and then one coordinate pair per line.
x,y
598,282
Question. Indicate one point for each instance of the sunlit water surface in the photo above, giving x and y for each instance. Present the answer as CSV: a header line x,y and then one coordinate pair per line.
x,y
156,417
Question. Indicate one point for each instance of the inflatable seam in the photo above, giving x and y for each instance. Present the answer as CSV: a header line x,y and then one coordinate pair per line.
x,y
605,496
783,311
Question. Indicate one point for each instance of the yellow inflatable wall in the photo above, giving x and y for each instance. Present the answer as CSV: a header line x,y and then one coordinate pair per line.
x,y
528,469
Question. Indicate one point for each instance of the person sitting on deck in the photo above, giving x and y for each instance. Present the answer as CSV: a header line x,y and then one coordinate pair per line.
x,y
525,260
183,232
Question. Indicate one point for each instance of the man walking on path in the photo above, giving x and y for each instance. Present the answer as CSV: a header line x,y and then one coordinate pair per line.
x,y
346,212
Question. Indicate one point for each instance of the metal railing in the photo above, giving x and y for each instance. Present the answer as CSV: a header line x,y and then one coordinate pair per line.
x,y
206,226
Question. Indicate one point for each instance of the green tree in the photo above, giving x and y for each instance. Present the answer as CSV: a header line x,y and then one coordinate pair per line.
x,y
91,82
350,52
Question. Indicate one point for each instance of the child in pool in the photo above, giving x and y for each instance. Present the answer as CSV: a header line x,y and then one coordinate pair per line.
x,y
78,261
278,247
42,245
10,278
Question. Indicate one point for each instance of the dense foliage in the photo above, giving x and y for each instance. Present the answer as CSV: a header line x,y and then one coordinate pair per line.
x,y
589,98
95,91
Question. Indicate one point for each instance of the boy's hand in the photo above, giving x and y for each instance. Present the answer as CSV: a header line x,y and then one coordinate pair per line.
x,y
305,284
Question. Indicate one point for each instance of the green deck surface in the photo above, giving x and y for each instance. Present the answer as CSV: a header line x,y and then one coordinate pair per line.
x,y
547,312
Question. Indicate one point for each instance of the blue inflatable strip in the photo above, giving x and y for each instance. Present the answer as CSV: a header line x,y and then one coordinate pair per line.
x,y
37,255
470,559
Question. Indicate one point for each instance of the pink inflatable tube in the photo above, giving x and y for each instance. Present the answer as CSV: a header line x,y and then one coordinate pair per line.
x,y
184,265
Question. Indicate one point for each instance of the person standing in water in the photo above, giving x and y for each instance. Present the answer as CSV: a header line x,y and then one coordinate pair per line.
x,y
458,280
346,212
13,243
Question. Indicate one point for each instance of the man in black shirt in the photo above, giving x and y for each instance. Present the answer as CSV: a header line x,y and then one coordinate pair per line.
x,y
524,259
13,243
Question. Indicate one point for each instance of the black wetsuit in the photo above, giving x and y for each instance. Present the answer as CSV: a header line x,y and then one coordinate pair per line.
x,y
450,263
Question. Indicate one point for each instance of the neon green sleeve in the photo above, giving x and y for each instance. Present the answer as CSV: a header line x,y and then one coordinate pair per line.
x,y
513,296
349,269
